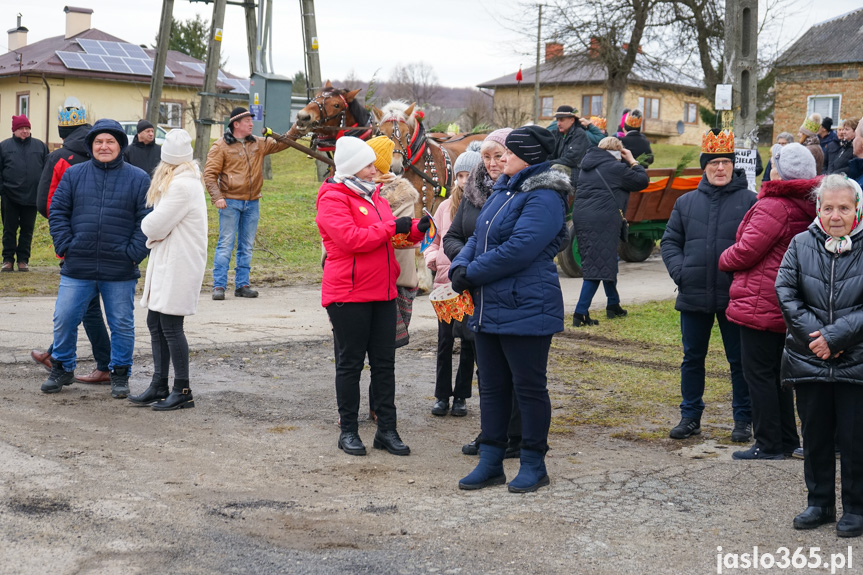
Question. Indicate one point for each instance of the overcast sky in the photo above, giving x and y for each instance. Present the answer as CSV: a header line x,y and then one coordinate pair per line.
x,y
467,42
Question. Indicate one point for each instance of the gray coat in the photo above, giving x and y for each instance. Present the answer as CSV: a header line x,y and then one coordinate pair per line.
x,y
595,212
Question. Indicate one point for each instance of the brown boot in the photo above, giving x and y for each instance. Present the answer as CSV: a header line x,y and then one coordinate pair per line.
x,y
95,376
42,357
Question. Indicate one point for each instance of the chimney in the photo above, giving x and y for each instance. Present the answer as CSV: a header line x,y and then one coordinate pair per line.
x,y
553,50
77,20
593,48
17,36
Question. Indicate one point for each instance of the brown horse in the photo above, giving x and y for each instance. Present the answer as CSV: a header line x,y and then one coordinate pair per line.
x,y
424,161
331,114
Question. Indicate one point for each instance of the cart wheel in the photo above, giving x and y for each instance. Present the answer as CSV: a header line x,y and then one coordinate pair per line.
x,y
570,260
636,249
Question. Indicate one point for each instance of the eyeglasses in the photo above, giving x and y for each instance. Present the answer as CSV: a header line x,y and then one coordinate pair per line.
x,y
717,163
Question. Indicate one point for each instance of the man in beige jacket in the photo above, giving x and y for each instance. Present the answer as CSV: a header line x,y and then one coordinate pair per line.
x,y
233,176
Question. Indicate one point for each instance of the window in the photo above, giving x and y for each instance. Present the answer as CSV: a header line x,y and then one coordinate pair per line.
x,y
650,107
170,114
827,106
547,106
690,113
591,105
24,104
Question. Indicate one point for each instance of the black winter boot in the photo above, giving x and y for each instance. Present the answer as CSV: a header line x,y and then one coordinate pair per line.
x,y
58,378
120,382
579,320
158,390
180,398
614,311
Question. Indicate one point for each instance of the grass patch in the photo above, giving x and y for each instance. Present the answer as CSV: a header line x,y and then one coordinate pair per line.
x,y
625,375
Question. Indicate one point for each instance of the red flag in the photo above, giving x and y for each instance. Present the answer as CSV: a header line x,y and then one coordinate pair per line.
x,y
518,76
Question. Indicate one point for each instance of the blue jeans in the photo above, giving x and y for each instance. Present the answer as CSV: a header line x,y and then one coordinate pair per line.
x,y
73,299
588,290
238,221
97,333
695,328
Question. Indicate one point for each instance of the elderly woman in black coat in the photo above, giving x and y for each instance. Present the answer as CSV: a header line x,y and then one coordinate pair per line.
x,y
820,291
608,174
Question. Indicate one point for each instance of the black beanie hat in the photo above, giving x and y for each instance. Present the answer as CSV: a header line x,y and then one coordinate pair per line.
x,y
238,113
531,143
144,125
827,124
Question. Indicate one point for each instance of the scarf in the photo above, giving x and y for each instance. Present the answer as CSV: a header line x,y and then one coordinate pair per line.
x,y
843,243
361,187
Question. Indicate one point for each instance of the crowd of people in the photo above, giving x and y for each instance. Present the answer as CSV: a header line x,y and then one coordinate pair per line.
x,y
778,271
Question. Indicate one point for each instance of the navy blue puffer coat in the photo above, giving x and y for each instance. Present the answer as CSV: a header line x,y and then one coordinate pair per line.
x,y
96,213
703,224
510,256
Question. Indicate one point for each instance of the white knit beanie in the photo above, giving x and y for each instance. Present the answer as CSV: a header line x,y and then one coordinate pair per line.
x,y
794,162
352,155
177,148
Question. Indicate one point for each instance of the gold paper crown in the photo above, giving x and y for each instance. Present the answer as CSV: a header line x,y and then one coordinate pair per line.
x,y
721,143
811,125
633,121
67,117
599,122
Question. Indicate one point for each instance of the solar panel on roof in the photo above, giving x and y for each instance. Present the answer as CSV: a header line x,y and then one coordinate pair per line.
x,y
134,51
113,49
95,62
138,66
117,64
73,61
91,46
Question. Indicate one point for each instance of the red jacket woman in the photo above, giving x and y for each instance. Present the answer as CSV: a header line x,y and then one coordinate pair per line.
x,y
782,211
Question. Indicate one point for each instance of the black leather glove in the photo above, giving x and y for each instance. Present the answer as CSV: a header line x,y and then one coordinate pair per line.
x,y
424,224
403,225
459,279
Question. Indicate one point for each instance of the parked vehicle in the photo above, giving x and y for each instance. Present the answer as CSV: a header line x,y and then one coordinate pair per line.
x,y
131,128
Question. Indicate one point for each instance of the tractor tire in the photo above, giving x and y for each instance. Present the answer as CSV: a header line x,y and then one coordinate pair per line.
x,y
570,260
636,249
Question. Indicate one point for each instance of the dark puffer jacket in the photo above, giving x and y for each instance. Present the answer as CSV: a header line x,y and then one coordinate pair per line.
x,y
639,145
569,150
144,156
782,211
821,291
510,258
476,191
703,224
96,214
21,164
837,154
74,151
597,208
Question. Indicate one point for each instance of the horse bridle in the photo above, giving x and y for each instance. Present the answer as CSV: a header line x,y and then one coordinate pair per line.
x,y
405,153
322,109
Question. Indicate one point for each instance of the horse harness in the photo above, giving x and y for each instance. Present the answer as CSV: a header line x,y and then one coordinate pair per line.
x,y
418,148
328,143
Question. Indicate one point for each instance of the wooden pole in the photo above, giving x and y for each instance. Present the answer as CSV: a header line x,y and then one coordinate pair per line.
x,y
158,78
211,75
536,109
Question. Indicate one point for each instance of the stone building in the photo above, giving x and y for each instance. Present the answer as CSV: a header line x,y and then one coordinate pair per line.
x,y
670,108
821,72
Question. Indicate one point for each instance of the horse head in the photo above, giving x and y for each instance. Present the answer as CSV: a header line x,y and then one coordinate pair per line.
x,y
329,108
397,122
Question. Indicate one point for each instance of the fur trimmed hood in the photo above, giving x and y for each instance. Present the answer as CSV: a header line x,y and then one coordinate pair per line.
x,y
398,193
788,188
551,179
479,186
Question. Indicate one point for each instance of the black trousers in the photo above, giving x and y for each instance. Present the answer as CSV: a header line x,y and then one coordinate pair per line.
x,y
832,416
169,343
514,365
361,329
444,388
15,216
773,422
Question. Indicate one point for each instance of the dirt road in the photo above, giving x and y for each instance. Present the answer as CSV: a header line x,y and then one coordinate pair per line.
x,y
251,481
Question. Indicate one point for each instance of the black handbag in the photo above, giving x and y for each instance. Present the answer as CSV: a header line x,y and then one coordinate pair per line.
x,y
624,225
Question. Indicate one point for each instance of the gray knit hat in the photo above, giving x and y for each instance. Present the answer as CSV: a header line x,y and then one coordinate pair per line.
x,y
468,159
793,162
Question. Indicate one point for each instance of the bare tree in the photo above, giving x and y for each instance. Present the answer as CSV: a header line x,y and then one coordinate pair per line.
x,y
478,110
414,82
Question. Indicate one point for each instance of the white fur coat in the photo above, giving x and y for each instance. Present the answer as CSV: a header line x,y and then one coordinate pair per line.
x,y
176,233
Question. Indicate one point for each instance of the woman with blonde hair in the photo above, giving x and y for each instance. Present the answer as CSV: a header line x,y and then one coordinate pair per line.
x,y
176,233
608,174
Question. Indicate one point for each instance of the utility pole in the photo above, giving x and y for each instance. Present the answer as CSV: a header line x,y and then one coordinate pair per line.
x,y
310,39
158,77
741,63
536,109
252,36
211,75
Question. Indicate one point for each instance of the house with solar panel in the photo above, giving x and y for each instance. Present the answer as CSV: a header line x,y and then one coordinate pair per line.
x,y
109,76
